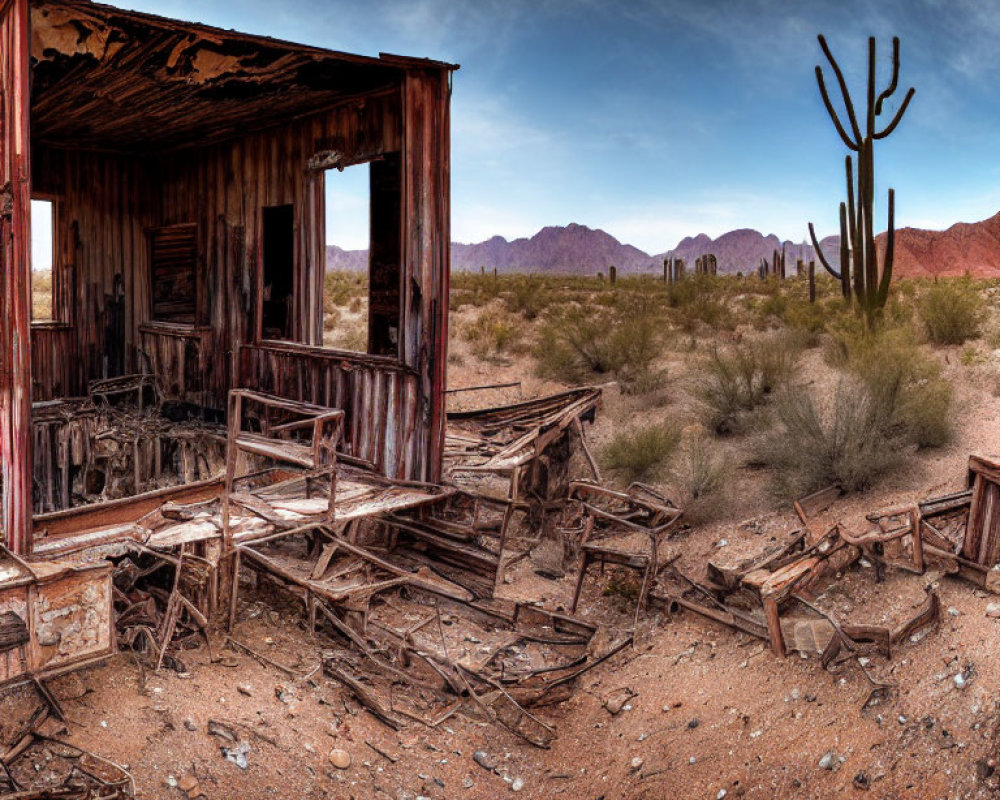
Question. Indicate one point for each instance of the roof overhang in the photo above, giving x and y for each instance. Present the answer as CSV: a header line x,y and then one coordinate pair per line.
x,y
108,79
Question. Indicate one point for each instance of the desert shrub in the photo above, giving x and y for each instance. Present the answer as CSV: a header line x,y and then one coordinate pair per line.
x,y
851,442
492,335
641,453
742,378
700,299
578,343
952,311
698,475
340,288
893,366
529,296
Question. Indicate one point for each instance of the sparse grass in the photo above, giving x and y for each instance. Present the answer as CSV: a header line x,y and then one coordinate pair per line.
x,y
952,311
698,476
739,379
493,336
851,442
578,344
641,453
41,295
894,367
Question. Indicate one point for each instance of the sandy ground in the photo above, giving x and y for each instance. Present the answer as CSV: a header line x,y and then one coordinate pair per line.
x,y
714,714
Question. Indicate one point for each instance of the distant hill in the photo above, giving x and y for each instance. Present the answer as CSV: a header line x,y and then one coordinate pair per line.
x,y
577,249
965,248
972,248
738,251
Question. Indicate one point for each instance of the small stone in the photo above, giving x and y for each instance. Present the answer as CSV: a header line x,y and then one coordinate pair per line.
x,y
171,781
829,761
637,764
692,760
245,691
693,724
960,681
517,784
722,543
953,612
190,724
188,784
468,783
341,759
483,759
993,610
861,781
722,793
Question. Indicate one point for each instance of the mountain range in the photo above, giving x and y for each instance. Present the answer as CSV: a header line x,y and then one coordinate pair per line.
x,y
964,248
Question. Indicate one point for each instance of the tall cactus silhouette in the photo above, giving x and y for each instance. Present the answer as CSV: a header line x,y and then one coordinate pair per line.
x,y
859,272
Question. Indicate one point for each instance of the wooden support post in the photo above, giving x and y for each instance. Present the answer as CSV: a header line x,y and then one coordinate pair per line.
x,y
773,617
15,280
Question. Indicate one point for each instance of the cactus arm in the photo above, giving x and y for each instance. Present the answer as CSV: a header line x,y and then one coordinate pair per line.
x,y
831,111
895,77
819,253
845,279
843,90
855,254
899,115
890,251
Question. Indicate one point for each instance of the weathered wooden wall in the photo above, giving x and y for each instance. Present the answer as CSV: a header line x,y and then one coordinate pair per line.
x,y
15,278
380,398
107,202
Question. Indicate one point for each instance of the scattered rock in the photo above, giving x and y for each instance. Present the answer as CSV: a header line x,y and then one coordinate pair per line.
x,y
984,770
468,783
953,612
830,761
237,755
341,759
483,759
171,781
245,691
190,724
960,681
993,610
693,724
517,784
637,764
861,781
722,793
617,700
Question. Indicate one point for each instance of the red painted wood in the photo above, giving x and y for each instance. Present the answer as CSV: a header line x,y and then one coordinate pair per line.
x,y
15,283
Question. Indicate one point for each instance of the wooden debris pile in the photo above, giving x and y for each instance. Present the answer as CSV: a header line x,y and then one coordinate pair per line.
x,y
413,645
117,443
35,764
827,592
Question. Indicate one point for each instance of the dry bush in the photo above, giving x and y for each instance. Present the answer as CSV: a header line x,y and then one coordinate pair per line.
x,y
740,379
893,366
641,453
952,311
578,344
341,288
850,443
700,300
698,477
529,296
493,336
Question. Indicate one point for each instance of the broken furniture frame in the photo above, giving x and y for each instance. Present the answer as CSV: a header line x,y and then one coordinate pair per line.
x,y
607,513
318,457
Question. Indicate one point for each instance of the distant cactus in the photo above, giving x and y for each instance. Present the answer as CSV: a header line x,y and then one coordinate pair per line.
x,y
859,272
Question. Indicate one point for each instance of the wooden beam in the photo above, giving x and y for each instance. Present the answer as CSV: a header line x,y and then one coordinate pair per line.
x,y
15,282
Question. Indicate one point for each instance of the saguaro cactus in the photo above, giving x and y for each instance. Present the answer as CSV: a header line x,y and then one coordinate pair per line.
x,y
859,272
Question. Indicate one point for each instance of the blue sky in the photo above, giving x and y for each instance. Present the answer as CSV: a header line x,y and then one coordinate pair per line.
x,y
656,119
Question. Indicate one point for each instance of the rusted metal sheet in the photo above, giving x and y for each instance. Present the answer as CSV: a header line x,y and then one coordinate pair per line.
x,y
15,279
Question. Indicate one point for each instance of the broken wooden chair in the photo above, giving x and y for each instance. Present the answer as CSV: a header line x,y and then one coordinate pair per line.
x,y
610,515
301,435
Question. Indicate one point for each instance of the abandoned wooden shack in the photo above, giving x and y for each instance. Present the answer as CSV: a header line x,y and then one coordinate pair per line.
x,y
184,170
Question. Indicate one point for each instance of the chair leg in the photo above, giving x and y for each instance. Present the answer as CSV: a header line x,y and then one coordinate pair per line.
x,y
579,583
